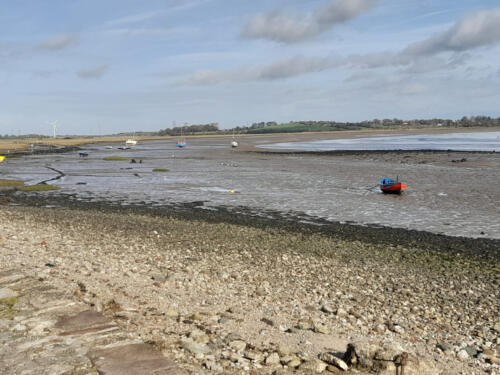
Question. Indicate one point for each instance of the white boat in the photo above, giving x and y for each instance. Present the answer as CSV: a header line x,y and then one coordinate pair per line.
x,y
234,144
131,142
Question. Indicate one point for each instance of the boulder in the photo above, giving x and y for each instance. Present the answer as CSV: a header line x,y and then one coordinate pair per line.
x,y
385,358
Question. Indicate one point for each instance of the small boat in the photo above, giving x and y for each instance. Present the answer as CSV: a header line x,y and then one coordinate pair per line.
x,y
109,147
390,186
131,142
234,144
181,142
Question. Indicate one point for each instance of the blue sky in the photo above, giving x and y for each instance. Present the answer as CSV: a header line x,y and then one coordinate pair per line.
x,y
101,67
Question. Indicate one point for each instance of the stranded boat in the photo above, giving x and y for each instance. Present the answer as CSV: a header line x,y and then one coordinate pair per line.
x,y
390,186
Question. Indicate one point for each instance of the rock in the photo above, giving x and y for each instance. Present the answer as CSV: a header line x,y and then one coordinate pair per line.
x,y
196,316
294,363
305,324
320,328
496,327
171,313
269,322
273,359
445,346
313,365
341,313
195,347
333,360
284,351
471,351
327,309
238,345
7,293
463,355
378,358
254,355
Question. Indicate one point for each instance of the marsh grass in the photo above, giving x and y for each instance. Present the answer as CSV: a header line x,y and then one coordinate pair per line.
x,y
160,170
6,182
115,158
7,310
39,187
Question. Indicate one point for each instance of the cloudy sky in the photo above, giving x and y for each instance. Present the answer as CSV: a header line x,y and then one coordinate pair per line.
x,y
126,65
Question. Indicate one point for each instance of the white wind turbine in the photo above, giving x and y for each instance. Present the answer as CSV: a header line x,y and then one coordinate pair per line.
x,y
54,126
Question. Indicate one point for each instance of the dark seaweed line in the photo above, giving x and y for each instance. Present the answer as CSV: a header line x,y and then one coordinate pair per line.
x,y
296,222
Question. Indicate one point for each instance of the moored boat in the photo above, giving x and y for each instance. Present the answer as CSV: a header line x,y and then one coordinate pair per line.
x,y
390,186
180,143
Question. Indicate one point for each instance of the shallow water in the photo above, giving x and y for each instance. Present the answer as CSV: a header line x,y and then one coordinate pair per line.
x,y
480,141
440,198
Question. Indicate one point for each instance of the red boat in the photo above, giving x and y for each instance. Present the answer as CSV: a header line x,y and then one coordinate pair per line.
x,y
390,186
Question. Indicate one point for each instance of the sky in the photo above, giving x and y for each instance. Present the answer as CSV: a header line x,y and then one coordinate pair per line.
x,y
102,67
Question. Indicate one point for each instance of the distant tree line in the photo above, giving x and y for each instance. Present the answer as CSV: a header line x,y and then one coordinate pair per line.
x,y
190,129
306,126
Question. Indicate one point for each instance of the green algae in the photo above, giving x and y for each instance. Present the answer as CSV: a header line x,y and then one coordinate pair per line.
x,y
7,310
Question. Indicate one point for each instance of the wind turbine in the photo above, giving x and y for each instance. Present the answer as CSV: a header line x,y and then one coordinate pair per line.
x,y
54,126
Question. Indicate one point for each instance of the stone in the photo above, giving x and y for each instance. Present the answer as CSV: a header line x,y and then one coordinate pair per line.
x,y
341,313
269,322
132,359
313,365
273,359
463,355
333,360
320,328
445,346
471,351
294,363
195,347
327,309
254,355
7,293
380,358
305,324
238,345
171,313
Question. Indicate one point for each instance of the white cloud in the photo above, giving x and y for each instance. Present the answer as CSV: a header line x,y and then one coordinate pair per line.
x,y
285,27
281,69
92,73
476,30
58,42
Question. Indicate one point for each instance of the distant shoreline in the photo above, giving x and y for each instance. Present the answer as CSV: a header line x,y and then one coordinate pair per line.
x,y
21,146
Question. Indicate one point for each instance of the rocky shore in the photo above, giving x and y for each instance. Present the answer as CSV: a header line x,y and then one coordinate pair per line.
x,y
215,297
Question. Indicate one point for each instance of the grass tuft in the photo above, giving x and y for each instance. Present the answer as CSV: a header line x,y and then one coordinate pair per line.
x,y
7,310
39,187
5,182
115,158
160,170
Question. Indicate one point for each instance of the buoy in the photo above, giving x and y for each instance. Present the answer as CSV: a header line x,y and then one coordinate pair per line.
x,y
2,158
233,191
